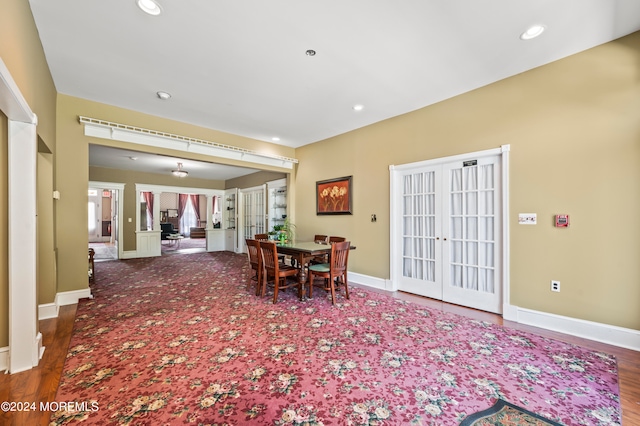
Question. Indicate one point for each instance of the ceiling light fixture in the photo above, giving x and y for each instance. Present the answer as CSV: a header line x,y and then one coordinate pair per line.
x,y
532,32
310,52
163,95
275,139
149,6
179,172
358,107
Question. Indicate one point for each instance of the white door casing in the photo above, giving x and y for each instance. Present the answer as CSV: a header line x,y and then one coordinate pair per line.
x,y
25,342
252,212
448,237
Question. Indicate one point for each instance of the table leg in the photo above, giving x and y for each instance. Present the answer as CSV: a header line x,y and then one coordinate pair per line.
x,y
302,279
303,275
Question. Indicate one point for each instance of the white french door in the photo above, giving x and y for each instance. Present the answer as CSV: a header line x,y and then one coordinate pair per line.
x,y
447,230
253,211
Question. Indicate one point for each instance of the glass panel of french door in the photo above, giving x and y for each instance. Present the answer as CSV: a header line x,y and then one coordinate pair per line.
x,y
253,213
421,252
473,216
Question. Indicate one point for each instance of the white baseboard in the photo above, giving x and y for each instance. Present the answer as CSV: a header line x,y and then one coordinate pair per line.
x,y
369,281
4,358
48,310
604,333
131,254
72,297
38,350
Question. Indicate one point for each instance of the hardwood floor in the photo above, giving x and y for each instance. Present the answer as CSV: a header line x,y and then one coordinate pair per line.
x,y
40,384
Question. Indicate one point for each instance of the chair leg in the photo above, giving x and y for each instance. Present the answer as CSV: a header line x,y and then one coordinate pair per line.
x,y
346,285
333,291
275,289
256,289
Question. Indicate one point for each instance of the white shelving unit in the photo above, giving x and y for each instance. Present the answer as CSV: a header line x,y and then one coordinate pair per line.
x,y
277,190
230,216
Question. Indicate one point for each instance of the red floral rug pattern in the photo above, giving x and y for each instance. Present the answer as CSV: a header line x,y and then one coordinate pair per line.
x,y
180,340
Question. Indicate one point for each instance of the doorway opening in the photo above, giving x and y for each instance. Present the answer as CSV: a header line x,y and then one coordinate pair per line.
x,y
103,222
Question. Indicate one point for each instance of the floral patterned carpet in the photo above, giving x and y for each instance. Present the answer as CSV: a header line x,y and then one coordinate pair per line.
x,y
180,340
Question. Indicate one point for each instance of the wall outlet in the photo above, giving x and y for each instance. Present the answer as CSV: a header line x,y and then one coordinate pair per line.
x,y
555,286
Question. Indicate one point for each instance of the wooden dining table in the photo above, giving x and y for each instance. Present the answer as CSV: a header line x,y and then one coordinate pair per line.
x,y
303,252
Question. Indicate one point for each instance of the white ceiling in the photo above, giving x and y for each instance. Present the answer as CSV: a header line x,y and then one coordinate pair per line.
x,y
115,158
240,66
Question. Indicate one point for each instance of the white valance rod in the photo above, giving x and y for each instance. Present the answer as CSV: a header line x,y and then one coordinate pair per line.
x,y
126,133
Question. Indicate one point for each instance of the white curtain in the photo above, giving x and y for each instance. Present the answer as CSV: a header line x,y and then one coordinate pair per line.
x,y
189,218
472,224
418,212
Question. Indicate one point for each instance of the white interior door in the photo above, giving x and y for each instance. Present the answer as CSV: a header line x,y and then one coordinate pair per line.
x,y
447,241
421,255
253,212
471,256
95,216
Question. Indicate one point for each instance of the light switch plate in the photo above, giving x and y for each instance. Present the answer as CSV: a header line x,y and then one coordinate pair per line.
x,y
527,218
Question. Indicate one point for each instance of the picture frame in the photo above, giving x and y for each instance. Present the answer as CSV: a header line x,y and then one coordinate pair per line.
x,y
334,196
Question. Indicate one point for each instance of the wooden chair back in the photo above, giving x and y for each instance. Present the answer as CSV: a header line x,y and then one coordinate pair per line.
x,y
334,239
339,257
255,260
335,273
269,256
261,237
276,270
320,239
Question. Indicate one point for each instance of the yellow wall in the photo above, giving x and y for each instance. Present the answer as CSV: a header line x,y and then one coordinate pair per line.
x,y
72,174
46,254
254,179
21,51
574,131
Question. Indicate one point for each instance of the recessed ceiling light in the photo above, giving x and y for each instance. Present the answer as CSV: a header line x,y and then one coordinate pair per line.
x,y
163,95
149,6
275,139
533,32
358,107
133,158
310,52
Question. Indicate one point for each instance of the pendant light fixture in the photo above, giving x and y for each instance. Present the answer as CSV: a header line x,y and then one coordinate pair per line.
x,y
179,172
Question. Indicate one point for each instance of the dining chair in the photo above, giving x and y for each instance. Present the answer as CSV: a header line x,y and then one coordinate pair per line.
x,y
334,239
277,271
265,237
92,266
320,239
255,260
335,269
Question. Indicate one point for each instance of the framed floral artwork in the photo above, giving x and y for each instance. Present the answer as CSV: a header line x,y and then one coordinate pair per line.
x,y
334,196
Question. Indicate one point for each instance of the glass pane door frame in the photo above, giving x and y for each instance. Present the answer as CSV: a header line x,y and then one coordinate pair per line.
x,y
396,173
253,216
